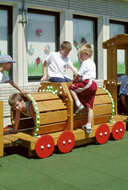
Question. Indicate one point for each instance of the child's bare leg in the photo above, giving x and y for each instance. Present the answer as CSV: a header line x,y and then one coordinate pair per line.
x,y
90,115
87,127
75,97
77,101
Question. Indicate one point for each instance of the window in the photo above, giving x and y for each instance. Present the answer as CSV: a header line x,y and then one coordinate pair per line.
x,y
84,30
119,28
43,35
6,32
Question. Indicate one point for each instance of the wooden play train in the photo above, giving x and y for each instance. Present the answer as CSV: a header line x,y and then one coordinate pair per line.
x,y
57,125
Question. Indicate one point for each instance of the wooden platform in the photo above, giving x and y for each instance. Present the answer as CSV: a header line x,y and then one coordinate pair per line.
x,y
81,137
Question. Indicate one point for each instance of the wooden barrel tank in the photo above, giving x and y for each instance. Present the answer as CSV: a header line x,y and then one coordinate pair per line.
x,y
54,110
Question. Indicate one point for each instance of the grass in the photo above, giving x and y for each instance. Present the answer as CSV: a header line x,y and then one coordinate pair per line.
x,y
120,68
35,69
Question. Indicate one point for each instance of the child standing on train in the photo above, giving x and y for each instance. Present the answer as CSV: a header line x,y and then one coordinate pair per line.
x,y
84,87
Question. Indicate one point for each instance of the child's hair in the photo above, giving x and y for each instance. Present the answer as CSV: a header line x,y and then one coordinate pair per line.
x,y
14,98
66,45
86,48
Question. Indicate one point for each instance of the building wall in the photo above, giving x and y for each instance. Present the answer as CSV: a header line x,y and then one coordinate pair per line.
x,y
101,9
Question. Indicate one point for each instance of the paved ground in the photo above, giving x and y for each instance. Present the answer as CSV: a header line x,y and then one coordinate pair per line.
x,y
92,167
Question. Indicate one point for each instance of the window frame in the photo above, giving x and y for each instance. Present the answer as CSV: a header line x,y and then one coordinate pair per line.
x,y
57,36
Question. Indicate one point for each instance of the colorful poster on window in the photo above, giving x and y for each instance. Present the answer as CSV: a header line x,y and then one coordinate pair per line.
x,y
41,41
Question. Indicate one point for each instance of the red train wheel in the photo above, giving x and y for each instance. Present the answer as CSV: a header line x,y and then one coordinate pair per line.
x,y
44,146
102,134
118,130
66,141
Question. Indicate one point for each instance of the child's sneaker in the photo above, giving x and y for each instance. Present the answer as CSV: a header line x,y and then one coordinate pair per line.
x,y
88,129
81,107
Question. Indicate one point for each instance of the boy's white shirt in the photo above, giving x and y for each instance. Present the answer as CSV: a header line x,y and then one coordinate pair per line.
x,y
3,77
57,65
87,69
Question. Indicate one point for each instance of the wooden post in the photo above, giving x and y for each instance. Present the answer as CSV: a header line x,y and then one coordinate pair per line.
x,y
111,86
69,107
112,63
1,130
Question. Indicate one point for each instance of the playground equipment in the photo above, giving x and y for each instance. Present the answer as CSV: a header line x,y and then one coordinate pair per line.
x,y
115,43
58,125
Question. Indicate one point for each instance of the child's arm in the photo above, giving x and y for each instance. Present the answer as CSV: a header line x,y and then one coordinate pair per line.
x,y
16,86
76,78
44,78
17,121
74,69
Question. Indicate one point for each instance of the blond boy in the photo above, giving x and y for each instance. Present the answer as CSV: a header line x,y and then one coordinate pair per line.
x,y
83,92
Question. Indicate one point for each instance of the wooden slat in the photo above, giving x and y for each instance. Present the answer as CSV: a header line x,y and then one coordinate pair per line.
x,y
120,117
111,86
11,137
102,109
101,119
51,105
56,86
85,141
41,96
80,123
1,129
102,100
26,137
28,141
69,104
53,117
80,116
45,129
100,91
9,140
7,143
97,120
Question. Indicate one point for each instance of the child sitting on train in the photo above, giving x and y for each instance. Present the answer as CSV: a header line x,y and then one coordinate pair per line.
x,y
18,104
84,87
57,63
